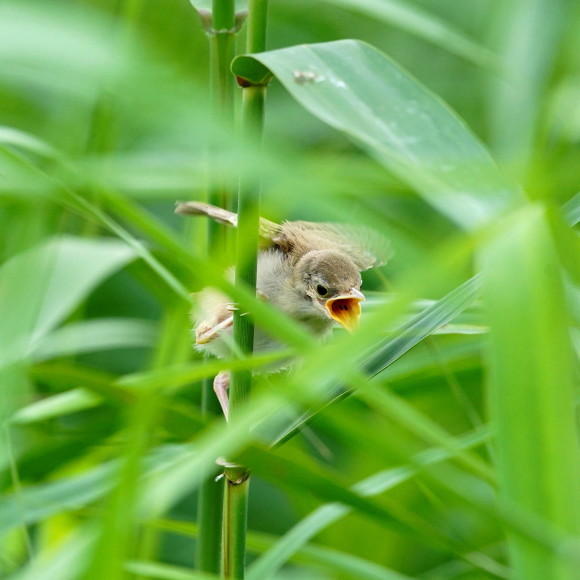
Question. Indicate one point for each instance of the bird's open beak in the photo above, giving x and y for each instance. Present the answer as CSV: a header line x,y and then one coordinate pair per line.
x,y
345,309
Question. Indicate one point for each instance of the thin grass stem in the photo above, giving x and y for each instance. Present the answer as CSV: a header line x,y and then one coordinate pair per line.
x,y
221,35
237,477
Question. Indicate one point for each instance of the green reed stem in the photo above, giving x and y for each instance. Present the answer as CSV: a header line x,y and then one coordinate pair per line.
x,y
235,522
237,477
220,28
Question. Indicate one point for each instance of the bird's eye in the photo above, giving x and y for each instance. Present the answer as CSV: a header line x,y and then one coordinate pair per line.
x,y
322,291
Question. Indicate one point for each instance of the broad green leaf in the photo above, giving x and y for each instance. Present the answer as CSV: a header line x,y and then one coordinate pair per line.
x,y
428,26
42,286
356,89
531,393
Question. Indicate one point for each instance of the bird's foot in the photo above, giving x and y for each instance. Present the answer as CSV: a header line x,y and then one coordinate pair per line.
x,y
221,384
205,333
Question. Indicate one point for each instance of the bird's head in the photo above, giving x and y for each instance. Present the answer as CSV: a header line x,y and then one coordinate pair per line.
x,y
330,282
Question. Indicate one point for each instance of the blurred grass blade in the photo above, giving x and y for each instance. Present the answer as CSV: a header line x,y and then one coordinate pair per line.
x,y
356,89
41,501
322,557
11,137
327,485
527,34
56,406
77,266
50,46
95,335
159,571
572,210
207,4
66,562
406,337
428,26
423,325
42,286
530,387
271,561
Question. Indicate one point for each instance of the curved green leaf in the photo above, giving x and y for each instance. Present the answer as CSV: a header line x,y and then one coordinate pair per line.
x,y
56,406
407,336
42,286
358,90
272,560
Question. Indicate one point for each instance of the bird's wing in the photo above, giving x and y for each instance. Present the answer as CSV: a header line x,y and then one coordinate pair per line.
x,y
366,247
199,208
268,229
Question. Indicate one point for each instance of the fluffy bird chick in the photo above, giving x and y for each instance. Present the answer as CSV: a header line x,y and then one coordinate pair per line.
x,y
310,271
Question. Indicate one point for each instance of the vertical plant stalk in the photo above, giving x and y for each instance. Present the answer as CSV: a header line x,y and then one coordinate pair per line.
x,y
220,26
237,477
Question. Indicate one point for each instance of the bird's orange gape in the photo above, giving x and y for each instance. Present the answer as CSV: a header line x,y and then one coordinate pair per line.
x,y
345,309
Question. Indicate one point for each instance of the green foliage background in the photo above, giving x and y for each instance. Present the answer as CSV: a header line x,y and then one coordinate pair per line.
x,y
459,460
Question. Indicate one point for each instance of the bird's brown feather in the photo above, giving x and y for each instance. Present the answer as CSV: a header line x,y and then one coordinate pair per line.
x,y
366,247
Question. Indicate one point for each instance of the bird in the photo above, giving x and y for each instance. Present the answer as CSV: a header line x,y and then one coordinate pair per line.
x,y
309,270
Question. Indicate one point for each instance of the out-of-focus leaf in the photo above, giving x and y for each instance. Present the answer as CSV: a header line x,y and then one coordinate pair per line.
x,y
356,89
327,485
572,210
422,325
428,26
42,286
12,137
56,406
311,554
94,335
178,376
208,4
527,35
66,562
272,560
531,390
566,239
56,47
164,571
30,505
406,337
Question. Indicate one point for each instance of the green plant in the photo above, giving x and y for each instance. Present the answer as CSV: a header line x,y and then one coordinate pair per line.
x,y
455,455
